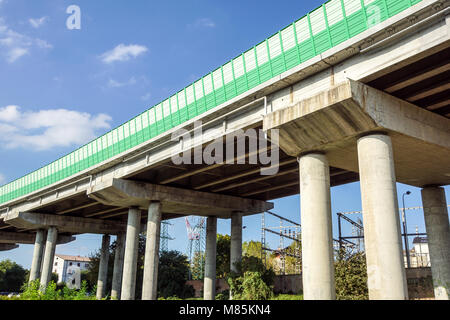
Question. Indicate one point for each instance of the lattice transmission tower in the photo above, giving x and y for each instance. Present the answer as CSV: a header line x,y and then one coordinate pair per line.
x,y
165,237
196,231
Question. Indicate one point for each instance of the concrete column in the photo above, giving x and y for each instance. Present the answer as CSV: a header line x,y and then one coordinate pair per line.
x,y
438,231
39,245
150,285
384,253
317,237
49,256
103,267
236,240
209,287
118,267
131,254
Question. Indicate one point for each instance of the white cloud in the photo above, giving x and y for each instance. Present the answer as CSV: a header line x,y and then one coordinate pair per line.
x,y
15,45
37,23
204,23
46,129
123,53
116,84
2,177
146,97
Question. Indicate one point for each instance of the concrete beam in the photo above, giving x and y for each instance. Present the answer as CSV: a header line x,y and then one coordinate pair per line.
x,y
332,121
28,238
124,193
128,290
32,221
438,230
8,246
38,253
317,234
151,260
103,267
118,267
386,276
49,256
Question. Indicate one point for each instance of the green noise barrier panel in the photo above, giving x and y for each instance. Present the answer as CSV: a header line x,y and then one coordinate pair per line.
x,y
323,28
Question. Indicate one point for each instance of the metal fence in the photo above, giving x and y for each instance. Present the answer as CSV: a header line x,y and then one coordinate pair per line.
x,y
323,28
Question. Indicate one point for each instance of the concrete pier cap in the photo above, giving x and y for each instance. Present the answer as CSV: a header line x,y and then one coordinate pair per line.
x,y
332,121
174,201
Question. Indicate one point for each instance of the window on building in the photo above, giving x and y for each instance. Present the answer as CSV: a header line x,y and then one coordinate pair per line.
x,y
56,263
78,264
70,263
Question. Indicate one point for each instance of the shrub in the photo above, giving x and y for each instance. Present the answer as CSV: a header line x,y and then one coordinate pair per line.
x,y
251,286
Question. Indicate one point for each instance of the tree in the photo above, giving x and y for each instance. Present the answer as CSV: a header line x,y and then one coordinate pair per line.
x,y
172,275
351,276
197,267
12,276
223,256
253,281
252,248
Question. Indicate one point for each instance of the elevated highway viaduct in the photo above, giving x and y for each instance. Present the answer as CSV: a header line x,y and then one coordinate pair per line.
x,y
374,108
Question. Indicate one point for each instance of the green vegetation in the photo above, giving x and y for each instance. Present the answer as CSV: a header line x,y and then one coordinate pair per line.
x,y
12,276
288,297
351,276
172,275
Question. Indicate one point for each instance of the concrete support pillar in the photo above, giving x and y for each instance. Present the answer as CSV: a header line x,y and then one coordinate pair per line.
x,y
209,287
317,237
384,253
49,256
131,254
236,240
103,267
39,245
118,267
438,231
150,285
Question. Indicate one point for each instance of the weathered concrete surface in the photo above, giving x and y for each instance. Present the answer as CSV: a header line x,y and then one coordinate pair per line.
x,y
128,291
8,246
28,238
236,240
151,261
209,292
103,267
358,58
32,221
332,120
118,267
385,265
38,252
123,193
317,235
438,231
49,256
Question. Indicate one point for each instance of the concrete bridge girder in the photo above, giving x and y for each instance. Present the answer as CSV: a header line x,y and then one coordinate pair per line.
x,y
64,224
8,246
123,193
28,238
332,121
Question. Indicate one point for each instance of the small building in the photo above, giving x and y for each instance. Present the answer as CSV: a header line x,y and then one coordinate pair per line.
x,y
419,255
63,263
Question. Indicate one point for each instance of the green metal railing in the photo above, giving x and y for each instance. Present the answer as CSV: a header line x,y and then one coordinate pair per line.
x,y
323,28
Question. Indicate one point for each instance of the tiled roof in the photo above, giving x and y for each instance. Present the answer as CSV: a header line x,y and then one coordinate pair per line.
x,y
73,258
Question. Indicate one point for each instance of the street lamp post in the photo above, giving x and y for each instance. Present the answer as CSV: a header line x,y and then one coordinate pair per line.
x,y
405,230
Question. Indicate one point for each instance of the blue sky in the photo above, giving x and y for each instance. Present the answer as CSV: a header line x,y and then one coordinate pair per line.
x,y
59,88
